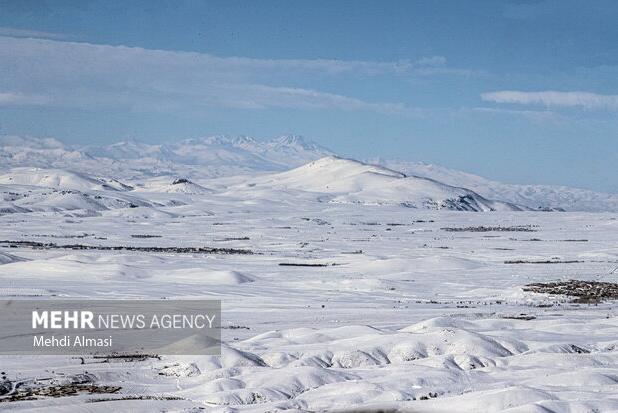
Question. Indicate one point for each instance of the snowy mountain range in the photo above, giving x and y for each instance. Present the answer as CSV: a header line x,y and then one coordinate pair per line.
x,y
187,166
201,157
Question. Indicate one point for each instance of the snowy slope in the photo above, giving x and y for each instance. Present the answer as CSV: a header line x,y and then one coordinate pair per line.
x,y
350,181
25,198
60,179
170,185
408,317
532,196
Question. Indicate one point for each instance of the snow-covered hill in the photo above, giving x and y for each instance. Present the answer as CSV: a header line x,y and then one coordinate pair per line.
x,y
60,179
222,156
172,186
341,180
532,196
26,198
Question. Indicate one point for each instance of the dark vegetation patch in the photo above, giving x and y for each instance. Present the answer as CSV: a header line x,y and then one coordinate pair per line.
x,y
430,395
586,292
232,239
84,235
134,397
515,228
126,357
34,389
58,391
235,327
168,250
542,261
522,316
295,264
550,240
318,221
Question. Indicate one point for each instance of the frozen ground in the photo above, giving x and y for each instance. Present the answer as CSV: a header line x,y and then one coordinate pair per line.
x,y
416,310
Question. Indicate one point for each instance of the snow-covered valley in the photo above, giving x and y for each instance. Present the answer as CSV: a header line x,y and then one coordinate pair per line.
x,y
394,295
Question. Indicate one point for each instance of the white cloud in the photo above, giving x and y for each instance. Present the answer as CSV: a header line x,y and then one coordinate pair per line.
x,y
11,98
536,115
261,96
437,65
87,75
36,34
584,100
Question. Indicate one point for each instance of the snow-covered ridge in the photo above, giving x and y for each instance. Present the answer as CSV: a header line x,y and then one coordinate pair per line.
x,y
532,196
219,156
350,181
329,179
61,179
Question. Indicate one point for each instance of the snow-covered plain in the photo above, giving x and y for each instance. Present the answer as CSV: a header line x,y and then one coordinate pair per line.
x,y
410,312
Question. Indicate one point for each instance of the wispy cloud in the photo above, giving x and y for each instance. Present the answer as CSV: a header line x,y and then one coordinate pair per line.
x,y
536,115
585,100
93,76
87,75
437,65
261,96
35,34
11,98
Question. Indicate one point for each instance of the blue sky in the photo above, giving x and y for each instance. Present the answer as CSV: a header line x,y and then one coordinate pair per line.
x,y
518,91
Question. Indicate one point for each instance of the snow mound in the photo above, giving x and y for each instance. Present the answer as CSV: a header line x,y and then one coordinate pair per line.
x,y
349,181
60,179
201,276
184,186
24,199
426,367
226,278
6,258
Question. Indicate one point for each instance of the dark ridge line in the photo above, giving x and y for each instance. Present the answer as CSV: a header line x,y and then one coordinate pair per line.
x,y
541,262
291,264
174,250
482,228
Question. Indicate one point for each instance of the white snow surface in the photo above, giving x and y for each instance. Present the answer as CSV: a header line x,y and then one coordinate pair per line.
x,y
406,315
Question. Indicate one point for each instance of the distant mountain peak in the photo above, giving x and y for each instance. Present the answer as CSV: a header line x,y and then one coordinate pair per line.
x,y
297,141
